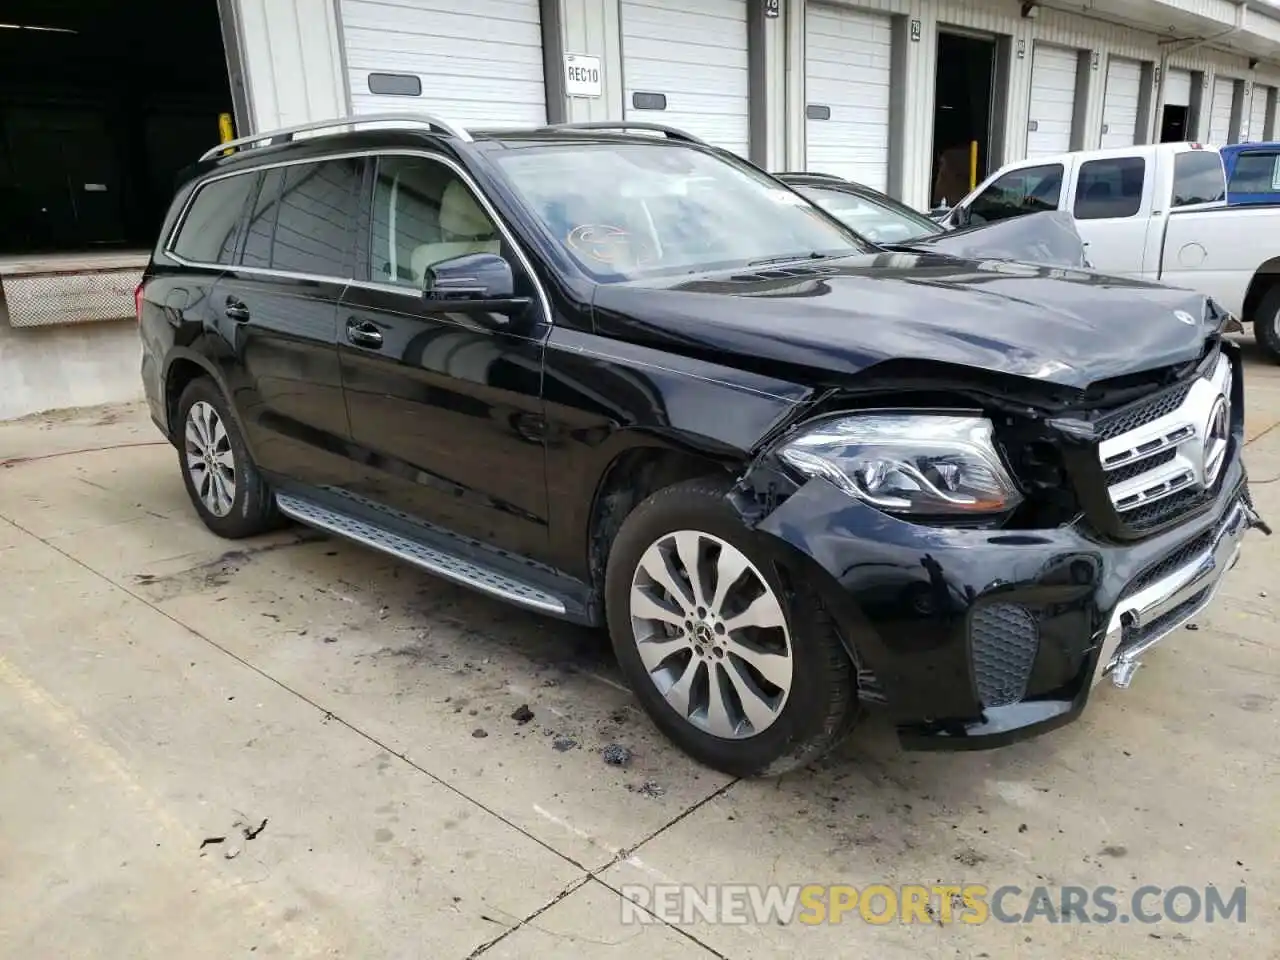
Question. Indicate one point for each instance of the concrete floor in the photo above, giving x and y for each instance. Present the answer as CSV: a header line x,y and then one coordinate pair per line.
x,y
160,688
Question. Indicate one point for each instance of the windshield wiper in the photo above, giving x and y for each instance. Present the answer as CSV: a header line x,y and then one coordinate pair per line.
x,y
813,255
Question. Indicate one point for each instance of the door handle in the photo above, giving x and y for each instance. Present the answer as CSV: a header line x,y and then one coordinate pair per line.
x,y
236,310
363,333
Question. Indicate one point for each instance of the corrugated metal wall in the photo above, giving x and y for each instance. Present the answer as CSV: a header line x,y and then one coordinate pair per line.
x,y
292,61
293,54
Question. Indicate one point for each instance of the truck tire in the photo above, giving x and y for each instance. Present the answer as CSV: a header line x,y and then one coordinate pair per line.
x,y
742,671
1266,324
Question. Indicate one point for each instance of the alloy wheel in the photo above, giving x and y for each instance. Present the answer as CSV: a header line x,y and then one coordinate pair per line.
x,y
711,634
211,463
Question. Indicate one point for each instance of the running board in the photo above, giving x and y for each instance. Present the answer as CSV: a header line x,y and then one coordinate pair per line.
x,y
437,562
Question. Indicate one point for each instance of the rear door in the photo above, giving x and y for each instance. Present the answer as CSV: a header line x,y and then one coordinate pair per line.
x,y
446,413
277,308
1110,199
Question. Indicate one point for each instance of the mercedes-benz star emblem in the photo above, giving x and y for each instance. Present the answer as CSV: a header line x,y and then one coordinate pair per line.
x,y
1185,317
1216,434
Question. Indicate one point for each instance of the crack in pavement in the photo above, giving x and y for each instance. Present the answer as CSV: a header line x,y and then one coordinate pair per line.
x,y
588,874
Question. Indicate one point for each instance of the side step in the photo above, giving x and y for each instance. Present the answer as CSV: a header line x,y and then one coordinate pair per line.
x,y
433,561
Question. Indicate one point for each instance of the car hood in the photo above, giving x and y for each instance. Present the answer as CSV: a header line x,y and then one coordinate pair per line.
x,y
1049,238
1067,327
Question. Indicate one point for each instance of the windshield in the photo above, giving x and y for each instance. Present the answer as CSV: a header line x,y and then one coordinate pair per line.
x,y
877,222
629,210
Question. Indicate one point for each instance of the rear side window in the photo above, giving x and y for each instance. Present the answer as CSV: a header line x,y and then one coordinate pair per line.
x,y
316,225
303,218
261,226
1198,178
1109,188
209,230
1256,173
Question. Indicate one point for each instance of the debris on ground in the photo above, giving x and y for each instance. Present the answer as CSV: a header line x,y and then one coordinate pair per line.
x,y
564,744
242,831
1193,626
616,755
522,714
650,788
479,733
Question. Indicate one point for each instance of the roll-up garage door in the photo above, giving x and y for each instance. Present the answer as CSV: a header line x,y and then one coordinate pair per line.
x,y
1257,114
685,64
848,58
1120,102
1177,88
481,67
1220,110
1053,100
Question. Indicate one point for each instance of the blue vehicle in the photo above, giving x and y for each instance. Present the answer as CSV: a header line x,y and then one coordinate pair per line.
x,y
1253,173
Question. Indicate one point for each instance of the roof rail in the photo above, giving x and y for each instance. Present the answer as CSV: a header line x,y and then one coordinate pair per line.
x,y
286,134
673,133
813,174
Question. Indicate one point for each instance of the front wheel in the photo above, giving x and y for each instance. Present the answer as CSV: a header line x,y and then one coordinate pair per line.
x,y
744,672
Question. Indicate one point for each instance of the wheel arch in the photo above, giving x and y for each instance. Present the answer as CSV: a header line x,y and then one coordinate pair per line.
x,y
1264,278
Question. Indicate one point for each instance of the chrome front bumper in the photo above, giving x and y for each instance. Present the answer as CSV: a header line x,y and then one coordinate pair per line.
x,y
1146,617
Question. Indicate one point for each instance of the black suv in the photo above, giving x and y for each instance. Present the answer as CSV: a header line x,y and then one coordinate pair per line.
x,y
615,376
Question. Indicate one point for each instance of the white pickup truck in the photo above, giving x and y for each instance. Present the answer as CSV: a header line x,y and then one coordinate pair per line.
x,y
1156,211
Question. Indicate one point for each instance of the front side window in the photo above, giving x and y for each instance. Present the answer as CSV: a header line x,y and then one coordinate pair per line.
x,y
1019,192
1198,178
877,222
626,210
423,214
210,228
1110,188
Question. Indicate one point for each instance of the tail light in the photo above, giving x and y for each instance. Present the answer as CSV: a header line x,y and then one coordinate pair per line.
x,y
137,302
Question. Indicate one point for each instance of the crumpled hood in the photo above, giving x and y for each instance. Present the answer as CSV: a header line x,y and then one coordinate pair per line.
x,y
1062,326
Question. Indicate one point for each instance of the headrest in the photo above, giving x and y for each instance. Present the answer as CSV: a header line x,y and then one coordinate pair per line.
x,y
461,216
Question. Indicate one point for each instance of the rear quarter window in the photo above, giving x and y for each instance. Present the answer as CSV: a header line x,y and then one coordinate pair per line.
x,y
1110,188
209,231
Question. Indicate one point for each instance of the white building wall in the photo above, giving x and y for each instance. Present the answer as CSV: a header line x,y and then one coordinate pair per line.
x,y
293,62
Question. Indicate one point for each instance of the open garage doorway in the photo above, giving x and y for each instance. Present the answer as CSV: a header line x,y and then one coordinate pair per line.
x,y
966,113
101,106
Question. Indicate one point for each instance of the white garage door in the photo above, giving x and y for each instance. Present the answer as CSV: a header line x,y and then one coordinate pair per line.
x,y
848,57
685,64
1220,110
1053,100
1257,115
1177,88
1120,102
478,68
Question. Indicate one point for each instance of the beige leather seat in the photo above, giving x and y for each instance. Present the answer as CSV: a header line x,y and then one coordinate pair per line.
x,y
464,226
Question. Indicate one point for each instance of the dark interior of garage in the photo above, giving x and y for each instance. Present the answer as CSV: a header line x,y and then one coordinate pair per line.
x,y
101,104
962,112
1173,124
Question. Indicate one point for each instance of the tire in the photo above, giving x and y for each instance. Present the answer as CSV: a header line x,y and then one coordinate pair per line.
x,y
244,506
1266,324
771,722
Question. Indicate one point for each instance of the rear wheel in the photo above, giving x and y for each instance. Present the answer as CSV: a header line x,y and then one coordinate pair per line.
x,y
221,478
1266,324
740,669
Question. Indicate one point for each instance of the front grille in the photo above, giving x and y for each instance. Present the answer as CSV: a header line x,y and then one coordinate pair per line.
x,y
1003,639
1155,453
1141,413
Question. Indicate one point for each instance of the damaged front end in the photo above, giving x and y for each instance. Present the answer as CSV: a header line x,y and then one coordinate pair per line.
x,y
992,618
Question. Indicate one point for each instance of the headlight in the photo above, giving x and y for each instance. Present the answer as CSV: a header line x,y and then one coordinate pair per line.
x,y
908,463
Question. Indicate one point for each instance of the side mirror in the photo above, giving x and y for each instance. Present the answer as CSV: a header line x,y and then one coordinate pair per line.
x,y
474,283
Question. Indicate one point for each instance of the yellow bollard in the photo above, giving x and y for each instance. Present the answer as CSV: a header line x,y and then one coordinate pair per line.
x,y
973,164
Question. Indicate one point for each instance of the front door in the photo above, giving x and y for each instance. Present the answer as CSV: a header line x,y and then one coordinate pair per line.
x,y
446,413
